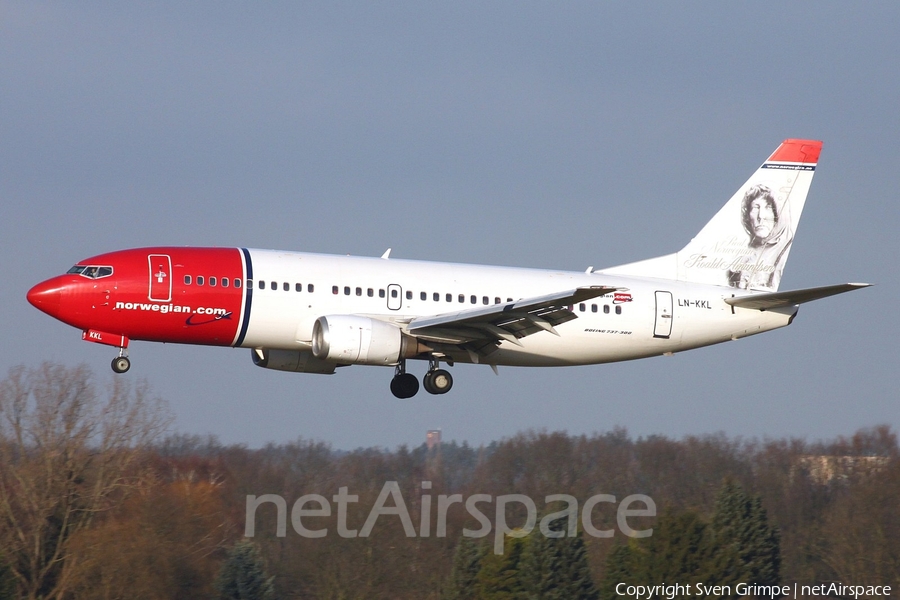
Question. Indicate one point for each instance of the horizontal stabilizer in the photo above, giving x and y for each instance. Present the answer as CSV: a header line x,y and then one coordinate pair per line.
x,y
790,298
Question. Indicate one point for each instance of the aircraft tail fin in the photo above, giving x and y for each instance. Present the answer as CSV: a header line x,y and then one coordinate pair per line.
x,y
746,244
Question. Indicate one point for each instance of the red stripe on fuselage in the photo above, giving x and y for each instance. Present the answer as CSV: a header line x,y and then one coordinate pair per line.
x,y
132,302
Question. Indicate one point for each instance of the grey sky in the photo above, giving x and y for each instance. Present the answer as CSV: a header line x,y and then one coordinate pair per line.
x,y
525,134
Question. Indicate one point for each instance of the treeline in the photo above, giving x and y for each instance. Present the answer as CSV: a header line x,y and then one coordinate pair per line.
x,y
95,504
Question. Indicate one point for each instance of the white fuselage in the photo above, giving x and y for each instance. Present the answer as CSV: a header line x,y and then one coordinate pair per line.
x,y
645,317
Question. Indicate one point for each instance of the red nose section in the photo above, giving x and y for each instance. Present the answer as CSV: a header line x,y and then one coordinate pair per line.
x,y
45,297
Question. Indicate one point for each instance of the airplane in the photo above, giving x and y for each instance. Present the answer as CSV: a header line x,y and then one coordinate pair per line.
x,y
313,313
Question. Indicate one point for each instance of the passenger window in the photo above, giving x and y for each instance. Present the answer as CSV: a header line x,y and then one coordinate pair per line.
x,y
423,296
593,308
509,299
606,309
187,280
381,293
298,287
359,291
462,298
473,299
212,282
370,292
250,284
393,293
618,310
286,286
237,282
485,300
408,295
346,290
273,285
261,285
334,289
449,297
497,300
436,297
224,282
310,288
199,279
581,307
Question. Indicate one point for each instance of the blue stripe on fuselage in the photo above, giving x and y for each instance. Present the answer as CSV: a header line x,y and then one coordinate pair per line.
x,y
248,295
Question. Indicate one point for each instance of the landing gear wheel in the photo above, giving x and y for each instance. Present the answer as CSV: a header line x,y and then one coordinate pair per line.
x,y
427,384
404,385
121,364
438,381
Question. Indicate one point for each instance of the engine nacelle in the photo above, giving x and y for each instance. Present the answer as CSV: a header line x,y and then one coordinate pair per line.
x,y
349,339
298,361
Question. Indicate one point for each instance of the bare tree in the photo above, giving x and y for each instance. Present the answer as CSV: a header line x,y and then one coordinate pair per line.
x,y
66,455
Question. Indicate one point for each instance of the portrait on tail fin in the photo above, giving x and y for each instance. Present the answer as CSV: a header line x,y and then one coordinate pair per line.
x,y
768,227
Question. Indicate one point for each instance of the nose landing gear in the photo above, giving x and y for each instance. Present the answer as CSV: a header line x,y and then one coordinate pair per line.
x,y
121,363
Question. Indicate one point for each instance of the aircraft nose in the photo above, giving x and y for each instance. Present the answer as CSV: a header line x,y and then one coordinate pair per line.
x,y
45,297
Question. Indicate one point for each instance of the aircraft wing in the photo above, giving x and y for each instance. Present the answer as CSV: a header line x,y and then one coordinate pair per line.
x,y
790,298
485,326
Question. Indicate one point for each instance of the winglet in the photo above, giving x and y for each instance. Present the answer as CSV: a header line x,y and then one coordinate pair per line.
x,y
387,254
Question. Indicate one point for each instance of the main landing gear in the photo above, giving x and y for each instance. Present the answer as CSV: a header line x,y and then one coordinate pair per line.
x,y
435,381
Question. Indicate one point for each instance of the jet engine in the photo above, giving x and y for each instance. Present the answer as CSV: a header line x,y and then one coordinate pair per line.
x,y
298,361
350,339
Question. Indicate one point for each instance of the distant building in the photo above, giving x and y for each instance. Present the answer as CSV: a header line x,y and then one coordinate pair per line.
x,y
824,469
433,439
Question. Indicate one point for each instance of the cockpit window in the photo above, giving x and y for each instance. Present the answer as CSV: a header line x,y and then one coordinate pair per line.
x,y
91,271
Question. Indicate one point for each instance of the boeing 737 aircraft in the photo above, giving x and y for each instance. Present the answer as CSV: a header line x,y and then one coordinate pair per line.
x,y
312,313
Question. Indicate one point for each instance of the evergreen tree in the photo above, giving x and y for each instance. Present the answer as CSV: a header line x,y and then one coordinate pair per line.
x,y
682,550
738,546
557,568
620,568
466,564
500,576
243,575
741,523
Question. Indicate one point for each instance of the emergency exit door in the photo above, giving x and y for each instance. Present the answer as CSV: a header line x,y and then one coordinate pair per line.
x,y
662,328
